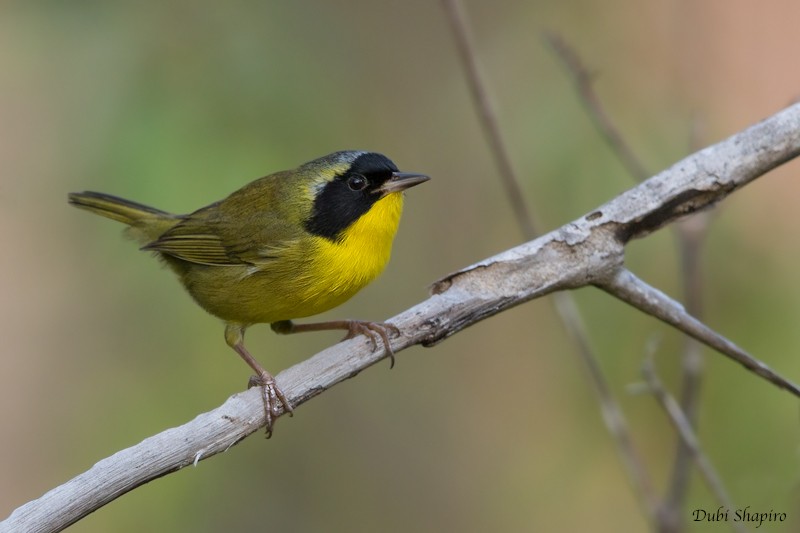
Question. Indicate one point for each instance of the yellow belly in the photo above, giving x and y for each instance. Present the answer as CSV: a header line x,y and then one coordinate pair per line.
x,y
308,278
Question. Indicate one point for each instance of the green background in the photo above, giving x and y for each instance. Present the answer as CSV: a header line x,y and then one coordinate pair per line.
x,y
176,104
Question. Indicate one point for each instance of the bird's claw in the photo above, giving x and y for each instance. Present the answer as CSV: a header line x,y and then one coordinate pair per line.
x,y
272,396
373,330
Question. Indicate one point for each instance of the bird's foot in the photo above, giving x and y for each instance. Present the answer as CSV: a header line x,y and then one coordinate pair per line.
x,y
373,330
272,396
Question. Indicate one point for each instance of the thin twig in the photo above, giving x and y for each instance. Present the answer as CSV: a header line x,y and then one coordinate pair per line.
x,y
690,235
564,303
583,83
613,417
488,117
684,428
624,285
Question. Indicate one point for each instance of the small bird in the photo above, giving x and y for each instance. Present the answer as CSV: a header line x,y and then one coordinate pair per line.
x,y
289,245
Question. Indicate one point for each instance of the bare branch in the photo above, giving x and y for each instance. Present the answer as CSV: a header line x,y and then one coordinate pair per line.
x,y
594,107
564,304
610,409
691,233
630,289
684,428
587,251
488,117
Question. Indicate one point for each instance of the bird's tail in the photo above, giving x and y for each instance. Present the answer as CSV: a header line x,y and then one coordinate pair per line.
x,y
146,222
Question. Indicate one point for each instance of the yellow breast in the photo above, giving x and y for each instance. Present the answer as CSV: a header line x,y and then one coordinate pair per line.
x,y
342,268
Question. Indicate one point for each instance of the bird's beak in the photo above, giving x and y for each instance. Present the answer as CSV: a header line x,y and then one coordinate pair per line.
x,y
401,181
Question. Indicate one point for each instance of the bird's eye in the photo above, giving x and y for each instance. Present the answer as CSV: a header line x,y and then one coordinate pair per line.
x,y
356,182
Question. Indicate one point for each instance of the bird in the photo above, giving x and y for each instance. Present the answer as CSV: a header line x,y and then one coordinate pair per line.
x,y
289,245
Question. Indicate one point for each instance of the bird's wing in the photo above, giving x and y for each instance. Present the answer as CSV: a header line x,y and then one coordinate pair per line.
x,y
221,244
203,249
230,233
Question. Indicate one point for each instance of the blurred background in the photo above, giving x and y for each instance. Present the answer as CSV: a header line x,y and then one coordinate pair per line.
x,y
497,429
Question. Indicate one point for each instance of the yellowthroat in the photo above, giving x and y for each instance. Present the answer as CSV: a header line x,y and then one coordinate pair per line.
x,y
289,245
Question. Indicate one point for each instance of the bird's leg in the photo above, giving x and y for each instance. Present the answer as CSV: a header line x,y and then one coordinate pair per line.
x,y
270,392
371,330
